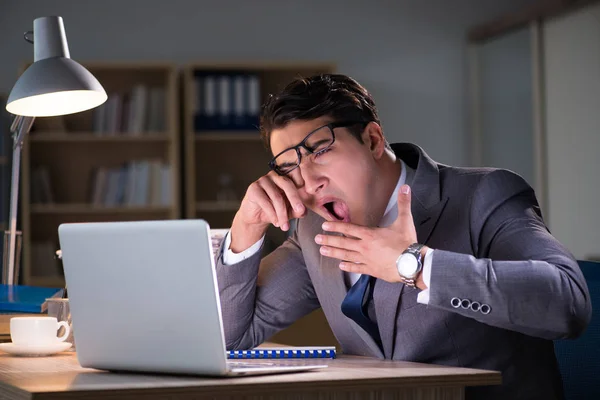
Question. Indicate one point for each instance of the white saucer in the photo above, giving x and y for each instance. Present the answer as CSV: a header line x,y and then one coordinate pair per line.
x,y
34,351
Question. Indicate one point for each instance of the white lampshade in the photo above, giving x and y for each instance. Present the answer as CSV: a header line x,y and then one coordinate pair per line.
x,y
54,84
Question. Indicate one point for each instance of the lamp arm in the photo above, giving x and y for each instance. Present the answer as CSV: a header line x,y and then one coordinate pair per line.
x,y
27,35
19,134
19,128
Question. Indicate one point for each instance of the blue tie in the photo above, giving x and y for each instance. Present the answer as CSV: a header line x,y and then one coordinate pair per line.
x,y
356,304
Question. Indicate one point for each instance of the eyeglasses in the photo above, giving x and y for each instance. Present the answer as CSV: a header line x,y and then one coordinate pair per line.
x,y
316,143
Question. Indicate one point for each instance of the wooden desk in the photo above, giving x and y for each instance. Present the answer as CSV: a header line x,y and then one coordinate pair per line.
x,y
61,377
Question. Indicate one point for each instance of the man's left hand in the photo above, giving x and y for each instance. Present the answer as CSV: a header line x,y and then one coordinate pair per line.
x,y
371,251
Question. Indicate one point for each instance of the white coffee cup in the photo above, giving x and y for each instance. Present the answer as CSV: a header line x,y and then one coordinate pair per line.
x,y
37,331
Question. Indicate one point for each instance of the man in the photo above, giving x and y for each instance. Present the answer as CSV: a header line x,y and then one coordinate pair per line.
x,y
409,259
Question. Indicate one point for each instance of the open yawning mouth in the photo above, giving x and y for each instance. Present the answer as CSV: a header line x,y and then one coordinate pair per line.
x,y
336,210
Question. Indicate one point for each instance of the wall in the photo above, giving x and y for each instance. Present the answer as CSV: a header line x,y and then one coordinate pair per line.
x,y
410,54
572,60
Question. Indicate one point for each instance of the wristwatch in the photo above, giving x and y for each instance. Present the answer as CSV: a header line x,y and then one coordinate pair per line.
x,y
410,263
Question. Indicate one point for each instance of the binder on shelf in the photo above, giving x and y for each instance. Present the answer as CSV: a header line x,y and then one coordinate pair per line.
x,y
239,105
225,114
252,102
284,352
226,101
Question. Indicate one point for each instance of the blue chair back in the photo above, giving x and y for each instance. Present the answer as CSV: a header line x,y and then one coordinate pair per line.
x,y
579,359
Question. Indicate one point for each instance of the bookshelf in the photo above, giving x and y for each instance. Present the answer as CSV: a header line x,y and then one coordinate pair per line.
x,y
223,156
223,152
117,162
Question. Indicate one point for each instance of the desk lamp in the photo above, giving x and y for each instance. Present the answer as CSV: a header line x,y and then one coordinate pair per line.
x,y
53,85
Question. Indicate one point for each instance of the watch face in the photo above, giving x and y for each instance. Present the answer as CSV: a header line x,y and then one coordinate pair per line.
x,y
407,265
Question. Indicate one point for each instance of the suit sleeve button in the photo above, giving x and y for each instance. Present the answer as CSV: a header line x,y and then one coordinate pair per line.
x,y
455,302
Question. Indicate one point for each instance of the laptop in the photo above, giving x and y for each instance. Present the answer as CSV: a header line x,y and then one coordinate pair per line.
x,y
144,298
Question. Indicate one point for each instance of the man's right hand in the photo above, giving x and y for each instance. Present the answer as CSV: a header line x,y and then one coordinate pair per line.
x,y
272,199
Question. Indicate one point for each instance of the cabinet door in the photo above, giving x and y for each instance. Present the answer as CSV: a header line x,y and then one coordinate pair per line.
x,y
505,103
507,106
572,103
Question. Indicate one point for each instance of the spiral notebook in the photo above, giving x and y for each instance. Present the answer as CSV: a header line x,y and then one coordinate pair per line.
x,y
284,352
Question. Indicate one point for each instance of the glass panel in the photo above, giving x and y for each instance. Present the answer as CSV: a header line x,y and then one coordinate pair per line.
x,y
315,142
287,159
319,139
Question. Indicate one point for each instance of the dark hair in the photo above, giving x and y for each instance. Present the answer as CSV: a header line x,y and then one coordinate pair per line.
x,y
334,95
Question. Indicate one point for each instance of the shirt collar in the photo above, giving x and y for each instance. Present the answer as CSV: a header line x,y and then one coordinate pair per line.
x,y
391,211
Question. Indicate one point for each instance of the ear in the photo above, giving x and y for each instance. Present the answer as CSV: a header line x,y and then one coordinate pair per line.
x,y
374,139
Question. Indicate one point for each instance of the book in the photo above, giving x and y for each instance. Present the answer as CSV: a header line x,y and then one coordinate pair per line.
x,y
284,352
26,299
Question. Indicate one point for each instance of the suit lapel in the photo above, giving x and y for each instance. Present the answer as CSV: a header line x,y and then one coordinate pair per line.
x,y
335,277
386,297
335,280
332,278
426,208
426,218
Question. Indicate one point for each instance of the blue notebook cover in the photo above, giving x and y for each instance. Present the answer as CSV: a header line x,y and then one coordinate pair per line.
x,y
284,352
27,299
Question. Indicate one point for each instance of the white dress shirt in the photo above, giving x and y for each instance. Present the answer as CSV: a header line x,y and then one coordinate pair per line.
x,y
389,216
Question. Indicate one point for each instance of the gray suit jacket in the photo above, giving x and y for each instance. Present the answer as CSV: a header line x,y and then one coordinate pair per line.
x,y
491,247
